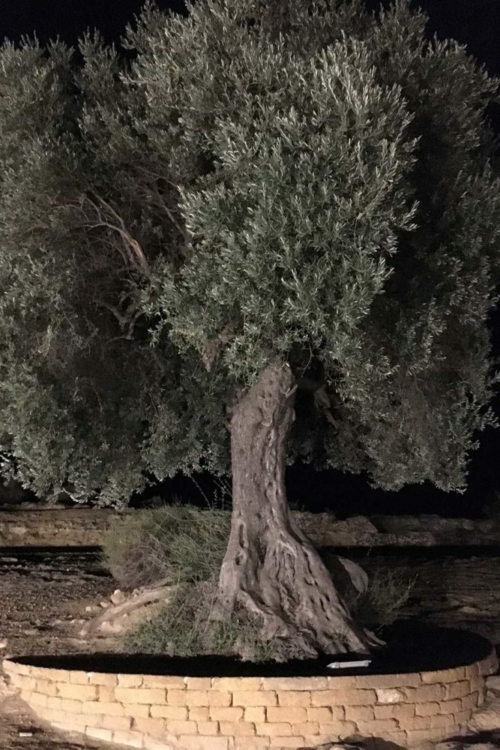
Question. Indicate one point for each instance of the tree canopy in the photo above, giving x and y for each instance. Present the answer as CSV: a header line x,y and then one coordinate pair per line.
x,y
258,182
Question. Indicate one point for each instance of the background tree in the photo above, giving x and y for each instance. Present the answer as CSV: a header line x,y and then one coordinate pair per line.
x,y
86,407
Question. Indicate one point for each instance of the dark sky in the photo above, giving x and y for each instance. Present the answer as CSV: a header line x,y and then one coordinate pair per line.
x,y
475,23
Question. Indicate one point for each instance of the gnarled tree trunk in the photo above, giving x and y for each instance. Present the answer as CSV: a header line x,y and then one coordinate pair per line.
x,y
270,567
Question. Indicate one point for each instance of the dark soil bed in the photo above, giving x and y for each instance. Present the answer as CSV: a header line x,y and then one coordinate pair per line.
x,y
412,647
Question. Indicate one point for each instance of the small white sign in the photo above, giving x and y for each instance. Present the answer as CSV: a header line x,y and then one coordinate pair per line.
x,y
349,664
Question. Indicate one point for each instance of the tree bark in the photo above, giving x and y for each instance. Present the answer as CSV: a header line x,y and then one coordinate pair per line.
x,y
271,569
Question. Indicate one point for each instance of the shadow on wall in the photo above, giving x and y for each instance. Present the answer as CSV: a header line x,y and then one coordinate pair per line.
x,y
358,743
486,741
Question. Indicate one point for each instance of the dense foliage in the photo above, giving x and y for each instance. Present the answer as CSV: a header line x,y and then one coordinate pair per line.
x,y
88,406
262,181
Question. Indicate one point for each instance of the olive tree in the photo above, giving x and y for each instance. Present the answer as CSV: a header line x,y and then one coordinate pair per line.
x,y
296,216
323,233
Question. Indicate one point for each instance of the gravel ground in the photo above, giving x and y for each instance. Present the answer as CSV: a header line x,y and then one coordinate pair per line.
x,y
459,592
42,605
43,599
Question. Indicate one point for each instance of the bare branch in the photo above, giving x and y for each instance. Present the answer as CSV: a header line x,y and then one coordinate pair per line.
x,y
212,349
115,222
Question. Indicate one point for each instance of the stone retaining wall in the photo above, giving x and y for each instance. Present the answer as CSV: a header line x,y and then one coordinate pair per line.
x,y
69,527
226,713
54,527
72,527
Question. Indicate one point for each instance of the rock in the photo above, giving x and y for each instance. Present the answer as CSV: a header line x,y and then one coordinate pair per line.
x,y
470,610
115,627
50,526
493,682
361,525
19,530
6,690
390,695
407,539
397,524
348,576
325,531
487,718
104,605
460,531
3,643
117,597
359,578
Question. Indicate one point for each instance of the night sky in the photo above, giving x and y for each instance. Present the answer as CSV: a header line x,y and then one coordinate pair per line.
x,y
472,22
475,23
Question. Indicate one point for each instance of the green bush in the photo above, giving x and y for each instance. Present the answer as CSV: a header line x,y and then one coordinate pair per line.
x,y
173,543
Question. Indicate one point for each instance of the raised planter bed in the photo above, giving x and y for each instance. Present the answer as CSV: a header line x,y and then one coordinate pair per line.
x,y
157,703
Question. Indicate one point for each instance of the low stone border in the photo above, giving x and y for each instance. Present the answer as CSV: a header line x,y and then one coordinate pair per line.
x,y
225,713
76,527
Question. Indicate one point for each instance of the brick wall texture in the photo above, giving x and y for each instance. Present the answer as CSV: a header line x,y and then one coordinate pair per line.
x,y
250,713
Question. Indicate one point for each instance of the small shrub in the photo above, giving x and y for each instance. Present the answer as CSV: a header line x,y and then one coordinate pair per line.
x,y
387,593
173,543
222,497
186,627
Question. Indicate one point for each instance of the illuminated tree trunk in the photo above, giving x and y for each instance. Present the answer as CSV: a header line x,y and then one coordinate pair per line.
x,y
270,568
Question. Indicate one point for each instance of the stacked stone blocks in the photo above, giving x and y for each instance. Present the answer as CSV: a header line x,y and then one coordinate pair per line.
x,y
155,712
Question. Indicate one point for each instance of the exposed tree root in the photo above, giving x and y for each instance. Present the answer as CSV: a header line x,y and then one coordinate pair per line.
x,y
148,596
